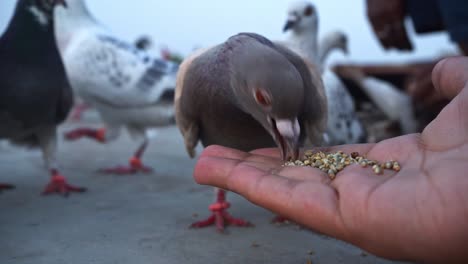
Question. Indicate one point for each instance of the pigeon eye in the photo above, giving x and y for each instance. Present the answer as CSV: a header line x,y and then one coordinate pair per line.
x,y
262,97
308,11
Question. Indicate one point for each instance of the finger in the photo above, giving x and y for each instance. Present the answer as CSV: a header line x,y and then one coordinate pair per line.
x,y
307,202
449,129
220,151
269,152
270,155
450,76
218,170
266,162
216,163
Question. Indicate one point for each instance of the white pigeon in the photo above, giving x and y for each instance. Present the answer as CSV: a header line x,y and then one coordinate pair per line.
x,y
396,105
344,127
127,86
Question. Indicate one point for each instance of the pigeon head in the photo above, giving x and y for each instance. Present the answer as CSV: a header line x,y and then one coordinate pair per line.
x,y
270,89
43,10
302,16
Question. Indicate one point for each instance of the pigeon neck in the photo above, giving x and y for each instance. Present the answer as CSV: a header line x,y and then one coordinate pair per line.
x,y
306,41
327,44
74,15
26,34
69,20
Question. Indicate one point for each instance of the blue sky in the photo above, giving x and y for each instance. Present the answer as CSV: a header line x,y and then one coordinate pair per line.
x,y
183,24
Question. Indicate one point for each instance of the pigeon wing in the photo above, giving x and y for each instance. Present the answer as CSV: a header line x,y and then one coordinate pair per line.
x,y
116,73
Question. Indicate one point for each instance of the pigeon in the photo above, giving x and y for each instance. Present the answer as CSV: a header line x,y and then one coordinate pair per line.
x,y
35,95
248,93
302,21
344,126
128,87
396,105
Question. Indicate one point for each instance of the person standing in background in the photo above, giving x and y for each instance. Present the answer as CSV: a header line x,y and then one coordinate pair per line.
x,y
387,19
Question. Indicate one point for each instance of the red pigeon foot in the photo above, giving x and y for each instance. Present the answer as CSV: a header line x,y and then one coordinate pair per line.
x,y
221,218
4,186
135,165
58,184
96,134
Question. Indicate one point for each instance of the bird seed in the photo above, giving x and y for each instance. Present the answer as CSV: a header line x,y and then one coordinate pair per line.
x,y
333,163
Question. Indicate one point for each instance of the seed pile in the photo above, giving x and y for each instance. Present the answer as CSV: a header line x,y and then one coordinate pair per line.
x,y
332,163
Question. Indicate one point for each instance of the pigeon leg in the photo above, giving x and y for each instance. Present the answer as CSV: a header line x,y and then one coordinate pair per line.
x,y
4,186
78,110
58,183
220,217
135,164
96,134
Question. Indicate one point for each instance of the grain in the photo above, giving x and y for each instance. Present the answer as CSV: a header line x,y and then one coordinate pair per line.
x,y
334,162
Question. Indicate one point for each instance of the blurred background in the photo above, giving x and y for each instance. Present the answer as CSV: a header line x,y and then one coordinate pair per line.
x,y
183,25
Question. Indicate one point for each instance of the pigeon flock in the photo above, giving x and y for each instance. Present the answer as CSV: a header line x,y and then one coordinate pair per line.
x,y
247,92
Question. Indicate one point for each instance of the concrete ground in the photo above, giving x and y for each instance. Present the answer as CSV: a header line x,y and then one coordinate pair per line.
x,y
141,218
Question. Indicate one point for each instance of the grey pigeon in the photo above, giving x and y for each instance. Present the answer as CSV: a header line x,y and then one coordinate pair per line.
x,y
248,93
35,96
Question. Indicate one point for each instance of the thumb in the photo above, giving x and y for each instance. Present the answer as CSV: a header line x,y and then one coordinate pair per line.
x,y
450,76
450,128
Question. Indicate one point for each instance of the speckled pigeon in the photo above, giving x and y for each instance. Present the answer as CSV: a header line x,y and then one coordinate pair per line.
x,y
248,93
128,87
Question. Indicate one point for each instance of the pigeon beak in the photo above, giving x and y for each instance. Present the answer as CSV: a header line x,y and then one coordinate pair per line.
x,y
290,23
60,2
286,133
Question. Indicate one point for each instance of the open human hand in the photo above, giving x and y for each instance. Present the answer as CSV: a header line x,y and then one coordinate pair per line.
x,y
419,213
